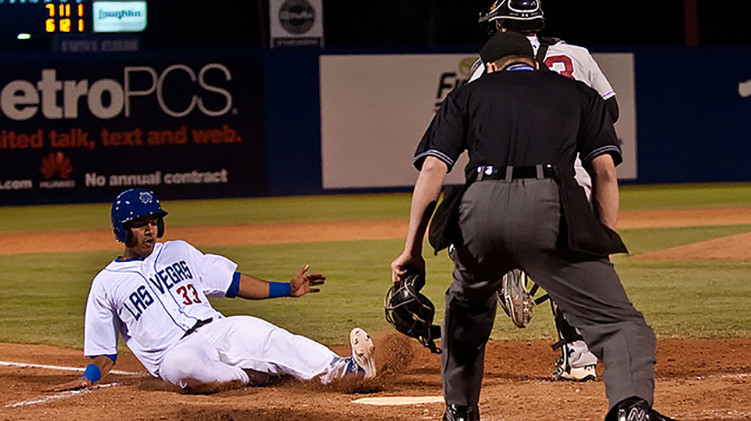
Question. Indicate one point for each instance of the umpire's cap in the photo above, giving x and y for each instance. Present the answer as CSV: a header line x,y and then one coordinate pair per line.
x,y
505,44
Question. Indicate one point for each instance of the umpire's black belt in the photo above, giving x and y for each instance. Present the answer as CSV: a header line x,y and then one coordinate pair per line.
x,y
197,325
539,171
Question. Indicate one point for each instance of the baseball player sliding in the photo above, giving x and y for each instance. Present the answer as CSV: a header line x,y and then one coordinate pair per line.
x,y
575,62
155,296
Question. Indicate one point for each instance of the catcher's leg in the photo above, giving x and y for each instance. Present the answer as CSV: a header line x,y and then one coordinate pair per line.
x,y
576,362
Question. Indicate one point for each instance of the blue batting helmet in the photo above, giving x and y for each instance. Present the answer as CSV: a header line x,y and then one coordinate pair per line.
x,y
132,204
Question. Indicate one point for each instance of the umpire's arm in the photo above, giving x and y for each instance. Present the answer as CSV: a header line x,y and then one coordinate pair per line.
x,y
424,198
103,363
604,189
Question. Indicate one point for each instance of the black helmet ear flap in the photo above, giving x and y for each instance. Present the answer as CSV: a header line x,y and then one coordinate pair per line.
x,y
160,227
411,313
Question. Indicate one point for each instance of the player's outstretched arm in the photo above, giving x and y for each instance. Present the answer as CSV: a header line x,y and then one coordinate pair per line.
x,y
302,283
102,362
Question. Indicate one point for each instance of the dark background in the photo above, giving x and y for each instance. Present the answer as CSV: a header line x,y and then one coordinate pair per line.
x,y
451,23
428,24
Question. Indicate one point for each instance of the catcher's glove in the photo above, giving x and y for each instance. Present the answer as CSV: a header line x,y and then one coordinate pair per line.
x,y
514,297
411,313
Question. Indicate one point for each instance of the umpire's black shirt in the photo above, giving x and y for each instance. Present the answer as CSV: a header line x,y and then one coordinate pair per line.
x,y
520,117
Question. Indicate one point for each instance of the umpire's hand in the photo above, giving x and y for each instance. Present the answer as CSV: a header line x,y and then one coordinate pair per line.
x,y
406,262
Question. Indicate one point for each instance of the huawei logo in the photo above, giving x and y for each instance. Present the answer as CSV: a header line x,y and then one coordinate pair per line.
x,y
56,163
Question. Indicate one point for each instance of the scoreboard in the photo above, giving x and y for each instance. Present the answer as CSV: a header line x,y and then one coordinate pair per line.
x,y
67,16
36,24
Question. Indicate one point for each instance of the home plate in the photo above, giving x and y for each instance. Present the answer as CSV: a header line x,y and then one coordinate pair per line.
x,y
399,400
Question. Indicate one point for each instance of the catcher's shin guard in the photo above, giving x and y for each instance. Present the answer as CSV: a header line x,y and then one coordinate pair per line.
x,y
574,351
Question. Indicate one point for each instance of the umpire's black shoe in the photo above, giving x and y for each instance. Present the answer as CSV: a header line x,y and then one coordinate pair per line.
x,y
461,413
635,409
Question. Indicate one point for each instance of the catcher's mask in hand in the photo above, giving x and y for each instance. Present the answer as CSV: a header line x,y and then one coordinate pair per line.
x,y
411,313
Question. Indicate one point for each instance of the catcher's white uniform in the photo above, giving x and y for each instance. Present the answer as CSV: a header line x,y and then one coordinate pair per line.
x,y
155,302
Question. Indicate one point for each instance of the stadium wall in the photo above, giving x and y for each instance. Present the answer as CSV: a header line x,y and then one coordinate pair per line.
x,y
81,127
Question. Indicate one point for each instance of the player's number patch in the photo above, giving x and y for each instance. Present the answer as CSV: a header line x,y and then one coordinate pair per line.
x,y
187,291
563,65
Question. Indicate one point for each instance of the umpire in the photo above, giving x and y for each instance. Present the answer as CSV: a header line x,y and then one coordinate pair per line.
x,y
522,129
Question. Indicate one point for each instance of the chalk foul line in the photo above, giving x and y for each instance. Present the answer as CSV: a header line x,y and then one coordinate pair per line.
x,y
66,394
55,367
60,395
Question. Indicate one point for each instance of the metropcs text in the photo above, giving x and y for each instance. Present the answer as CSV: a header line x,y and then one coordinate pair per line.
x,y
107,98
80,138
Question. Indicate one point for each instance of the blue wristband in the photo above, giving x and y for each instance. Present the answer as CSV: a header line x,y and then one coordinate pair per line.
x,y
234,287
92,373
279,289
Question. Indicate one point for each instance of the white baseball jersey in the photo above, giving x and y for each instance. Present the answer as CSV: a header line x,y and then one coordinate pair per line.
x,y
568,60
154,301
574,62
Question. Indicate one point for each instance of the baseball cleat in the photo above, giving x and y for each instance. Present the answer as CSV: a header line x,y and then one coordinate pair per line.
x,y
461,413
363,352
575,374
635,409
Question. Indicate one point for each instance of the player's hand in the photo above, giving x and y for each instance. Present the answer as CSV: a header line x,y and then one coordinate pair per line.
x,y
303,281
406,262
79,383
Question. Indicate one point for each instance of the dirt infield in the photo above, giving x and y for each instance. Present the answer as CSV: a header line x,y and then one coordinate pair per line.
x,y
696,379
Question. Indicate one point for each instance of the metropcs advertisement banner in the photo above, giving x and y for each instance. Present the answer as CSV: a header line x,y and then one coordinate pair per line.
x,y
85,128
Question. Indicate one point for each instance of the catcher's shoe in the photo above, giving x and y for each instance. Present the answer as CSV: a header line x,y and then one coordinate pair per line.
x,y
575,374
363,354
461,413
635,409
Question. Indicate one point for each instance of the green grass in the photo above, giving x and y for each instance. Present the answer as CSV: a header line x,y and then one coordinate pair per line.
x,y
214,212
684,196
44,295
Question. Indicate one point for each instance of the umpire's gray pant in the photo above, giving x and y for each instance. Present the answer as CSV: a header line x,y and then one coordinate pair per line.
x,y
515,224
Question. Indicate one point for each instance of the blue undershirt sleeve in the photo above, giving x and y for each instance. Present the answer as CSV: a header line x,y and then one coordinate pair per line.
x,y
234,287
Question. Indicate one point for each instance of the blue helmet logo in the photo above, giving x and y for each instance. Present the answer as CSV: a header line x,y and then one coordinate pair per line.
x,y
133,204
146,197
